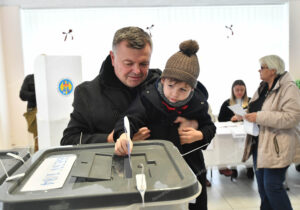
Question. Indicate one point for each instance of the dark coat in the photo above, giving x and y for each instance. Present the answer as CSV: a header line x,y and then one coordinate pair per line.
x,y
99,103
148,110
27,92
225,113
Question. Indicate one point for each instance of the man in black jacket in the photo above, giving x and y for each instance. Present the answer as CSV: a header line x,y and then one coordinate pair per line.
x,y
27,93
99,103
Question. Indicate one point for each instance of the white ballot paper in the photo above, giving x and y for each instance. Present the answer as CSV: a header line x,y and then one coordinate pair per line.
x,y
51,173
250,128
237,109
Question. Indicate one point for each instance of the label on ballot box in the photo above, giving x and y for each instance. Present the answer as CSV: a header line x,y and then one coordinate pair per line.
x,y
51,174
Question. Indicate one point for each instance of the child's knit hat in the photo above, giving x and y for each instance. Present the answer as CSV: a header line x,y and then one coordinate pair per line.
x,y
184,65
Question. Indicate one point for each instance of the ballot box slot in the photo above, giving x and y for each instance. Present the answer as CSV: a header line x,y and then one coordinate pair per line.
x,y
92,166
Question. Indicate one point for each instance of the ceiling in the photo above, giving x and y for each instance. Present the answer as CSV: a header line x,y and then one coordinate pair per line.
x,y
46,4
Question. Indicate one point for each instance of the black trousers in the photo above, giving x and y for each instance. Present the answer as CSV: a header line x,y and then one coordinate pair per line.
x,y
201,200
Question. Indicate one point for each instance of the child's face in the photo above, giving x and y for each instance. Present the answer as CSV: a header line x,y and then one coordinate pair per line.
x,y
175,91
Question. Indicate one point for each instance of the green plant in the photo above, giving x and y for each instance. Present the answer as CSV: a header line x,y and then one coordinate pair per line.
x,y
298,83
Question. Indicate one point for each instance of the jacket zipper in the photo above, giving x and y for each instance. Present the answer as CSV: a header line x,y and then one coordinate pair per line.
x,y
276,146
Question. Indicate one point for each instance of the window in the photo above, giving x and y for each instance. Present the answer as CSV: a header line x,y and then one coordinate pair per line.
x,y
224,56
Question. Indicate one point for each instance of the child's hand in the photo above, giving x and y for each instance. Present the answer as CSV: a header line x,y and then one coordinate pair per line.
x,y
121,145
189,135
110,137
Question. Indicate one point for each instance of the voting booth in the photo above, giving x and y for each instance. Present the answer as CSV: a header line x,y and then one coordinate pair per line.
x,y
55,80
91,176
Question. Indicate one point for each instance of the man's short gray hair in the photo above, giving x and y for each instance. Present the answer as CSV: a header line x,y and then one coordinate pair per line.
x,y
273,62
136,38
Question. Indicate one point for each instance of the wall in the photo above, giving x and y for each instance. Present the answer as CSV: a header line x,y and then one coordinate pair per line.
x,y
129,3
294,45
12,125
3,103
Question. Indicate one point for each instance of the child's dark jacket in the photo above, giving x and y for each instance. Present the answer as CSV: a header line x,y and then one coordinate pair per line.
x,y
149,110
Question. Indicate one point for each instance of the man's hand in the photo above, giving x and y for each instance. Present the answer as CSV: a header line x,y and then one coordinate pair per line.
x,y
110,137
251,117
186,123
142,134
189,135
121,145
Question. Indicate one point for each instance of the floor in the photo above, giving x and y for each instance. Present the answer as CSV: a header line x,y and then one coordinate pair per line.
x,y
242,193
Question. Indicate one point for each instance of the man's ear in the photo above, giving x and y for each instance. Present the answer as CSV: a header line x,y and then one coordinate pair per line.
x,y
112,57
162,80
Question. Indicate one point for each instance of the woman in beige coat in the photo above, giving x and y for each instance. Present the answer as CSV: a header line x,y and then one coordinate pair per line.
x,y
275,107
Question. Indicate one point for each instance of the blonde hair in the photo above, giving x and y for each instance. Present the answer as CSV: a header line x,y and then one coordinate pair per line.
x,y
232,100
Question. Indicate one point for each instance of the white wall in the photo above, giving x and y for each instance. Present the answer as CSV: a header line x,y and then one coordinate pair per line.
x,y
13,129
46,4
294,45
220,56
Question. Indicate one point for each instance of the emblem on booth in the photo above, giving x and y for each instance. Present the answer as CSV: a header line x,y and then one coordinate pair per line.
x,y
65,87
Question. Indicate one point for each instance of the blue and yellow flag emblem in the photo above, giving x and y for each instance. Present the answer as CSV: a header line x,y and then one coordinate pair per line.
x,y
65,87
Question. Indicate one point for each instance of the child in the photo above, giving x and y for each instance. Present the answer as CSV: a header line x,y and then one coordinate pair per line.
x,y
176,93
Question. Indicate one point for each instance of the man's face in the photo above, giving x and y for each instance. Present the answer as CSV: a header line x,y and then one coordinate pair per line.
x,y
131,65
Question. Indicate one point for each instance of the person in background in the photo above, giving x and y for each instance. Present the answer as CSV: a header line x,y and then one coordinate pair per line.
x,y
297,166
176,93
275,107
238,96
99,103
27,93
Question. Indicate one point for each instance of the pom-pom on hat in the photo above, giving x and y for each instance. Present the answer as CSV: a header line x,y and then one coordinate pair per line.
x,y
184,65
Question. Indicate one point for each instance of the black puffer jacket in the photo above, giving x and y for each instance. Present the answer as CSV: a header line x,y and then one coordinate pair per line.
x,y
99,103
148,110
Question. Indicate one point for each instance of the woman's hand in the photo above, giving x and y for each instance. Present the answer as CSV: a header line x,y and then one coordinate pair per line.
x,y
142,134
236,118
121,145
251,117
189,135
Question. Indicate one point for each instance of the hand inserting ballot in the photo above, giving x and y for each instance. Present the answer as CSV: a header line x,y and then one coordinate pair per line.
x,y
121,147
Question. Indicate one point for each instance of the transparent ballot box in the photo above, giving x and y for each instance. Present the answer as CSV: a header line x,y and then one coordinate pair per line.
x,y
92,177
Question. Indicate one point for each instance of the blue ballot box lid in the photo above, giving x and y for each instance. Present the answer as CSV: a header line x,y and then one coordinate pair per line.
x,y
91,176
11,164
